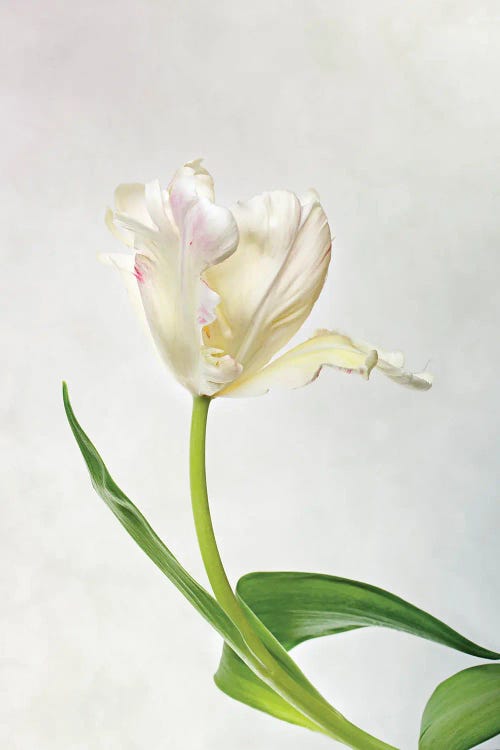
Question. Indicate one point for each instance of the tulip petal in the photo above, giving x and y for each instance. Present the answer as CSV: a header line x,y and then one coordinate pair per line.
x,y
130,275
177,234
270,284
392,365
142,220
209,234
176,333
302,364
157,202
130,199
125,265
190,183
122,234
156,294
218,369
208,302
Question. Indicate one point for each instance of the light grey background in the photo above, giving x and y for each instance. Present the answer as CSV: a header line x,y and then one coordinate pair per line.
x,y
391,111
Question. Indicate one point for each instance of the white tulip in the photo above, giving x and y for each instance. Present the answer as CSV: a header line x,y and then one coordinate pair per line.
x,y
223,291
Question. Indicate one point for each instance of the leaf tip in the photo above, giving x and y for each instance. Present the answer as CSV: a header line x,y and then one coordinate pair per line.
x,y
66,401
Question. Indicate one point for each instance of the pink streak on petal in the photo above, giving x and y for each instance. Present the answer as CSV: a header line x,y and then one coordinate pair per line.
x,y
203,316
138,274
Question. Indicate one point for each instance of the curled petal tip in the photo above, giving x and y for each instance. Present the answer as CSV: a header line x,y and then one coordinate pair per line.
x,y
370,363
195,163
423,381
310,196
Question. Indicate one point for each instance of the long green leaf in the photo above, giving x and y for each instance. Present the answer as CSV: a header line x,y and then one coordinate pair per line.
x,y
299,606
139,529
296,607
463,711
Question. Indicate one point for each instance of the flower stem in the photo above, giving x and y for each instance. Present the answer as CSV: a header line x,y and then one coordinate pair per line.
x,y
261,661
205,530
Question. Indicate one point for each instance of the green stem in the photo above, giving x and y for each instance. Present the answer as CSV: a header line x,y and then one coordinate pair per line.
x,y
262,662
205,532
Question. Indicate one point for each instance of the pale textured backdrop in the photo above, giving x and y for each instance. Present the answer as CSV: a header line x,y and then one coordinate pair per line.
x,y
391,111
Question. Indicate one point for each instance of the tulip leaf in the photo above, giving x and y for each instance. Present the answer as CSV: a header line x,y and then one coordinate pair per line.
x,y
139,529
296,607
463,711
235,679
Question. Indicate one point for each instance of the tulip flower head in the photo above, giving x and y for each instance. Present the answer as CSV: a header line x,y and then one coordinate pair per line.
x,y
223,291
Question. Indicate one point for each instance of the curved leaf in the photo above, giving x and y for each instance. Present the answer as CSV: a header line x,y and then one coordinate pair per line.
x,y
296,607
235,679
299,606
463,711
139,529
